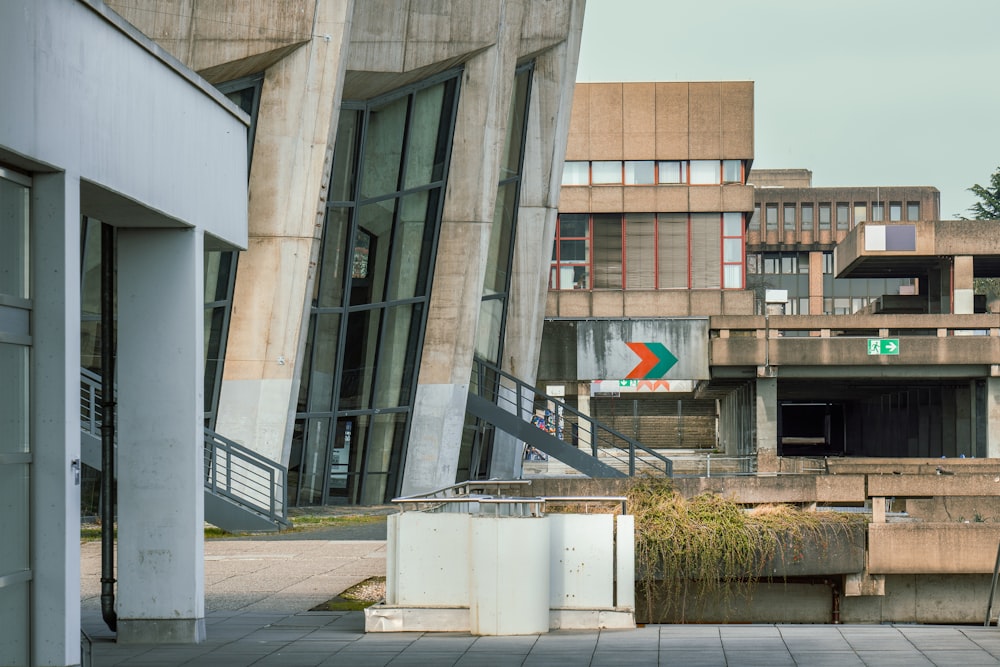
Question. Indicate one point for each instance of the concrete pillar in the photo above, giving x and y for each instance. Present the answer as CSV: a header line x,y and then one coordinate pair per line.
x,y
550,104
767,424
296,129
55,425
453,315
160,436
964,292
815,283
993,417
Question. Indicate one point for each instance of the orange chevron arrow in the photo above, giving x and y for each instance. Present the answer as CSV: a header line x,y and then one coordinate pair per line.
x,y
656,360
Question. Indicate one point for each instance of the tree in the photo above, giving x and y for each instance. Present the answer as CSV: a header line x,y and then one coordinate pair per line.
x,y
987,208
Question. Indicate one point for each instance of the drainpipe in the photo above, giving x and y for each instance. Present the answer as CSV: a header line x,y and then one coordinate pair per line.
x,y
108,427
835,593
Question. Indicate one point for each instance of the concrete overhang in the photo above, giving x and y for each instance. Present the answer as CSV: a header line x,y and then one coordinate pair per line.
x,y
911,249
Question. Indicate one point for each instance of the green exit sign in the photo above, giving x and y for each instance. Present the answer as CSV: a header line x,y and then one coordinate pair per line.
x,y
883,346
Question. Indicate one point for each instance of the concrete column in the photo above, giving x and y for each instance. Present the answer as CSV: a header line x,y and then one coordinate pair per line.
x,y
549,109
160,438
815,283
963,289
453,315
993,417
767,424
296,130
55,420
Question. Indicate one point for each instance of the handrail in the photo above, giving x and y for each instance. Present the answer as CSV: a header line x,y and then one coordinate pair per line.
x,y
231,470
90,402
536,505
243,475
518,397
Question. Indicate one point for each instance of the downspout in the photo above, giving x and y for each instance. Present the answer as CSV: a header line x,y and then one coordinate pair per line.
x,y
835,593
108,427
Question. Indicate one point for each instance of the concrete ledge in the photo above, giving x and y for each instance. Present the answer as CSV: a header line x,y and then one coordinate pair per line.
x,y
385,618
932,548
161,630
591,619
898,486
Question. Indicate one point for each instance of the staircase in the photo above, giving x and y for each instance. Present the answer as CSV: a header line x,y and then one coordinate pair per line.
x,y
244,491
581,443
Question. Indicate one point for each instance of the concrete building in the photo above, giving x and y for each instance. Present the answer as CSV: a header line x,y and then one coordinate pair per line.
x,y
404,164
795,228
648,165
98,121
651,234
403,193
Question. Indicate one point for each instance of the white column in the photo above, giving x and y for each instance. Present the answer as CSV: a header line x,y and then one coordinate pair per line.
x,y
55,420
160,438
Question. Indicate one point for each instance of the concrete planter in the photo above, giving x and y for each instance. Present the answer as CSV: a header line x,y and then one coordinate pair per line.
x,y
808,568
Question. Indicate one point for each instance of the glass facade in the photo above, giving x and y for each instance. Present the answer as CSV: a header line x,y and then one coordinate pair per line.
x,y
654,251
790,271
15,436
370,295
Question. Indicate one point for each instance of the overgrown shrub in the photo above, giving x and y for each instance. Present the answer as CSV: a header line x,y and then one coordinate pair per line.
x,y
692,549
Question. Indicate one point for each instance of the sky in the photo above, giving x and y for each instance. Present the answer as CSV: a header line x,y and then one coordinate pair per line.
x,y
860,92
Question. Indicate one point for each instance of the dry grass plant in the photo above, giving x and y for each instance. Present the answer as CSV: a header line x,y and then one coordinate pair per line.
x,y
707,547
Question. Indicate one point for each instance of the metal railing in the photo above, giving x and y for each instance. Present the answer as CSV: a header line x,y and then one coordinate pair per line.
x,y
90,403
231,470
244,476
490,497
577,429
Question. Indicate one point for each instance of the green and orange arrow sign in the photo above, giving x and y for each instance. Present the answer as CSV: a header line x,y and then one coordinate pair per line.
x,y
656,361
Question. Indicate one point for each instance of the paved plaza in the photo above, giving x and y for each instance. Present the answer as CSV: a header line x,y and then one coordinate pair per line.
x,y
258,592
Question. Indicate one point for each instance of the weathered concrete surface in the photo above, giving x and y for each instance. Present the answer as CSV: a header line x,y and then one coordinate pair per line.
x,y
932,548
960,598
874,466
982,484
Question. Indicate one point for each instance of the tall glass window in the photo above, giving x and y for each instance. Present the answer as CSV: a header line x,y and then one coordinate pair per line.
x,y
733,250
15,436
843,215
895,211
771,216
824,216
496,287
807,217
640,251
370,294
912,211
878,211
788,217
860,212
